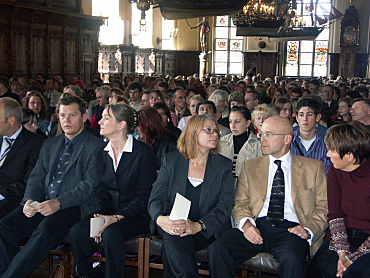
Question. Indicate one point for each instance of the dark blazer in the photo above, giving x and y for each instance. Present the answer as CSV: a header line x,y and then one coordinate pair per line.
x,y
333,107
126,191
216,198
186,112
18,164
80,179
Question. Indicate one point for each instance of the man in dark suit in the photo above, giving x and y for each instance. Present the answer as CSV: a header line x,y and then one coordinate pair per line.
x,y
179,99
280,207
327,94
58,193
18,161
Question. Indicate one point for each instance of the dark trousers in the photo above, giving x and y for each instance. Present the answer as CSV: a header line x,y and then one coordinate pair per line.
x,y
47,232
324,263
113,239
178,254
7,206
233,248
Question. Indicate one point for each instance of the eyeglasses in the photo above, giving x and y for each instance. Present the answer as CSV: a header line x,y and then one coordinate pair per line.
x,y
157,97
209,130
267,135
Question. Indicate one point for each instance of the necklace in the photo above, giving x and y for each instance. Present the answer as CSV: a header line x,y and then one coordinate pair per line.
x,y
196,164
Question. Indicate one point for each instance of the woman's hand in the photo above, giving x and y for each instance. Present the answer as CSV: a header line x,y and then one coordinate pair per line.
x,y
108,220
172,227
191,229
343,263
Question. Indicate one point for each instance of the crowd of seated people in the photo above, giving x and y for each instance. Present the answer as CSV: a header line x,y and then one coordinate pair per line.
x,y
194,134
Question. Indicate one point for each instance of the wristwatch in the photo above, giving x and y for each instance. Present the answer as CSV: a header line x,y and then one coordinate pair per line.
x,y
202,226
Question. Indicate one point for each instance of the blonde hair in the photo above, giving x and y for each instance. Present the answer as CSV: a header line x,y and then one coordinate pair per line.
x,y
188,144
265,109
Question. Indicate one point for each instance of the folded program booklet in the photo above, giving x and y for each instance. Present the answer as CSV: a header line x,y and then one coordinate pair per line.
x,y
181,208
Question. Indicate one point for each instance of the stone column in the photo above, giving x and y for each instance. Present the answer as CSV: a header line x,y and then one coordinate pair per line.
x,y
202,64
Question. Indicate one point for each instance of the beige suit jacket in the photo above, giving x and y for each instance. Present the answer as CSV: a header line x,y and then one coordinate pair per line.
x,y
308,181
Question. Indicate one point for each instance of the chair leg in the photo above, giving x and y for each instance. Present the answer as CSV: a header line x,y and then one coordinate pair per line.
x,y
244,273
146,257
140,257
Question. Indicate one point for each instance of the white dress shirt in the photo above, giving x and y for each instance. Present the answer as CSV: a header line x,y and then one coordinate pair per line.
x,y
127,148
289,212
14,136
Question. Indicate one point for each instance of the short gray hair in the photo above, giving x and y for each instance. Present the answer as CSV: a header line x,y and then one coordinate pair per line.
x,y
105,90
12,108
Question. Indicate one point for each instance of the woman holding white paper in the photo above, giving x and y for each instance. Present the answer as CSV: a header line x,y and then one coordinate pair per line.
x,y
127,169
197,172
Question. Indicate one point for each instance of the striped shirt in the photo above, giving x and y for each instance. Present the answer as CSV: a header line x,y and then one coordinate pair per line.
x,y
316,151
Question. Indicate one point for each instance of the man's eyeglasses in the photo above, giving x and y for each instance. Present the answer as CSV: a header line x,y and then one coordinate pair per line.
x,y
267,135
211,130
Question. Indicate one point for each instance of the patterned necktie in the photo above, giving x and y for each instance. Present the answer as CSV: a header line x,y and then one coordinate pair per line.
x,y
56,180
8,145
275,214
178,117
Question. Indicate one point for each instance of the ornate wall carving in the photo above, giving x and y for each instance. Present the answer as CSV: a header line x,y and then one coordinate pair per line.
x,y
54,42
126,59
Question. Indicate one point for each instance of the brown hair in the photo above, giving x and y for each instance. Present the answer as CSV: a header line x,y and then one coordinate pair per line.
x,y
347,138
123,112
44,107
188,144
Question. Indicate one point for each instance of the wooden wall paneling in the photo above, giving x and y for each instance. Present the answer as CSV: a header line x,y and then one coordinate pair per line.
x,y
362,60
38,49
170,64
55,45
334,63
265,62
5,53
187,62
20,43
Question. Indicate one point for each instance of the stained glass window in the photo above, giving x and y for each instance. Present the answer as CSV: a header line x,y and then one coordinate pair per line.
x,y
228,56
309,58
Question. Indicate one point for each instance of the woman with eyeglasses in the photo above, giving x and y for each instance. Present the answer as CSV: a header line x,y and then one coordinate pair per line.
x,y
197,172
242,144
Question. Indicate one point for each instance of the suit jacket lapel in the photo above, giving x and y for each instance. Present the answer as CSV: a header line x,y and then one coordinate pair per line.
x,y
209,176
18,143
55,154
183,171
296,175
126,158
259,184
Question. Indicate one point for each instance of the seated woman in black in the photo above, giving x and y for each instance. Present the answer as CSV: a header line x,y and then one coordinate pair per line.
x,y
127,173
200,174
163,110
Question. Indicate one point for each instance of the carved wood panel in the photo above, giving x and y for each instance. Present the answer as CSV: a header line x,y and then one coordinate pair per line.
x,y
34,40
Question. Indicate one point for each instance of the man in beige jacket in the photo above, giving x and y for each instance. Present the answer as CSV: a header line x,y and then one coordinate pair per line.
x,y
280,207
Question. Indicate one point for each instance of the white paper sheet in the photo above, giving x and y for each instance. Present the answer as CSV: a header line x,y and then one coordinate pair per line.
x,y
181,208
33,204
95,225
